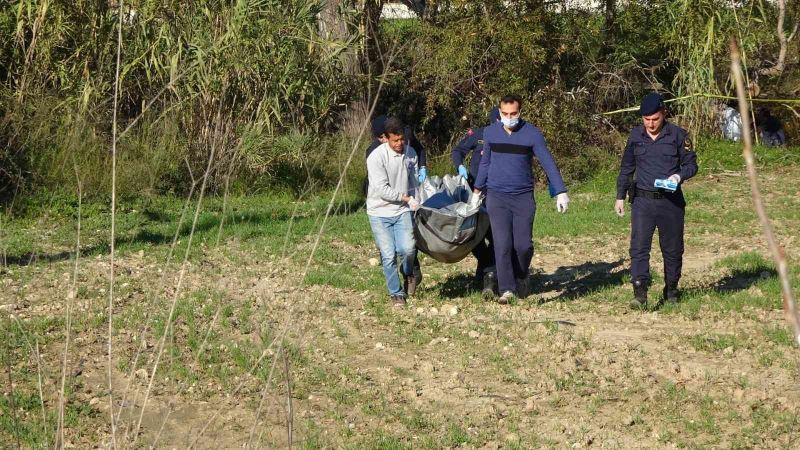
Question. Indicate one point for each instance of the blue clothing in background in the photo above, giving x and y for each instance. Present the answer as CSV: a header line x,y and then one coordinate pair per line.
x,y
473,143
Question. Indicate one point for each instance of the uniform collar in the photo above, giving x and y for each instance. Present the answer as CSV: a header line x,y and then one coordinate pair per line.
x,y
666,130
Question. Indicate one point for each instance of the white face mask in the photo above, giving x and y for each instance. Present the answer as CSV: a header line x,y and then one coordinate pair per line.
x,y
510,122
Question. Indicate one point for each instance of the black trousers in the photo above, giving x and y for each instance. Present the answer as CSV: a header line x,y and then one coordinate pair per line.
x,y
666,215
484,253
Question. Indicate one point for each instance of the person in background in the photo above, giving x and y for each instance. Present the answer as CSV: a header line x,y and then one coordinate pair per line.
x,y
392,168
771,129
472,143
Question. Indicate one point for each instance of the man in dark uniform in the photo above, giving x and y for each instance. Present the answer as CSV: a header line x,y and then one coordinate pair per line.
x,y
656,150
379,137
484,251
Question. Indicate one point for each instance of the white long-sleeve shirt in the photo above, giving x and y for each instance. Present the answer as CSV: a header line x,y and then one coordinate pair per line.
x,y
391,175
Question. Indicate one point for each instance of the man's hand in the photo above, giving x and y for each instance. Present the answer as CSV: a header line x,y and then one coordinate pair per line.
x,y
423,174
676,178
619,207
463,172
413,203
562,202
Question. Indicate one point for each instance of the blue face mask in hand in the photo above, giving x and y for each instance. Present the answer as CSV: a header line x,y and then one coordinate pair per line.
x,y
510,122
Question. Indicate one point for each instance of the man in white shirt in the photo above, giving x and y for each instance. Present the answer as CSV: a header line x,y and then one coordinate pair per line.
x,y
391,169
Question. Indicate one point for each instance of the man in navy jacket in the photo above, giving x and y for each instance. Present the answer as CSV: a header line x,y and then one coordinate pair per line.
x,y
506,174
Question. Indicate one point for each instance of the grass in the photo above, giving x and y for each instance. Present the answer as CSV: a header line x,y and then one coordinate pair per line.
x,y
222,324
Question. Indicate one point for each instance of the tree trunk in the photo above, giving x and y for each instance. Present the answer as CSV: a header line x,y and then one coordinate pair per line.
x,y
780,64
608,28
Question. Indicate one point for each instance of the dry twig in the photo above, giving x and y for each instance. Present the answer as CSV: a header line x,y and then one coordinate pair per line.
x,y
789,305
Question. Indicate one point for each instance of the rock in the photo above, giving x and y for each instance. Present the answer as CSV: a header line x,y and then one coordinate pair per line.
x,y
474,334
530,404
628,421
427,367
94,401
141,373
434,311
379,346
451,310
420,310
373,262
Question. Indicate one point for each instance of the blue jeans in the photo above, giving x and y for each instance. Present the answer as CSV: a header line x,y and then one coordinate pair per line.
x,y
395,237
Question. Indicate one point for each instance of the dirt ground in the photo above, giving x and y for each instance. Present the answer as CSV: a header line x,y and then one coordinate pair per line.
x,y
570,366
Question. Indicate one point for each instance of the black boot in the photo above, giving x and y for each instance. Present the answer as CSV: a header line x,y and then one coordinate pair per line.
x,y
670,293
639,294
417,272
489,285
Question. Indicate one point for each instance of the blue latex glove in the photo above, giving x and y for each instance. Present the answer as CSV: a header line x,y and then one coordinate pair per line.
x,y
463,172
423,174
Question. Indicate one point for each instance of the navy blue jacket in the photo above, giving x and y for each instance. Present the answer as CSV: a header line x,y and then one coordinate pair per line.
x,y
506,165
472,143
670,153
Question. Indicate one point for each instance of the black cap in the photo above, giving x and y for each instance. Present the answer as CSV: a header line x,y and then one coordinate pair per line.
x,y
651,104
494,115
378,125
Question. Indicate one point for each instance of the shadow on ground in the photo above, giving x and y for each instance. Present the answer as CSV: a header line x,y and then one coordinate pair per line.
x,y
569,282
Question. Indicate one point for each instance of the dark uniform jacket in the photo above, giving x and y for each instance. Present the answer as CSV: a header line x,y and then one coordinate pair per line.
x,y
473,143
646,160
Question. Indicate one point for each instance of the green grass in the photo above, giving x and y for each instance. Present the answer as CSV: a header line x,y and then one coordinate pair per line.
x,y
259,229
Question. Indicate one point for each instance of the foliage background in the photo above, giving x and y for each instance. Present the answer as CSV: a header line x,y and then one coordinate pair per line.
x,y
277,90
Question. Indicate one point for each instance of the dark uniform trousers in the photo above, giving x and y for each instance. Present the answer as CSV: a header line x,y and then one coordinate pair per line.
x,y
667,215
484,251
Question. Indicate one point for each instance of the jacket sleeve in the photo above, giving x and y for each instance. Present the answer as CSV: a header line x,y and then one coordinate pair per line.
x,y
462,149
541,152
626,170
483,168
379,179
688,159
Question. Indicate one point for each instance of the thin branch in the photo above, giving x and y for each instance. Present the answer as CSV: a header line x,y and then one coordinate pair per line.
x,y
289,409
113,231
68,313
789,305
12,402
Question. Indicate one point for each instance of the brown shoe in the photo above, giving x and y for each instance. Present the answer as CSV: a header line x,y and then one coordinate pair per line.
x,y
397,300
410,285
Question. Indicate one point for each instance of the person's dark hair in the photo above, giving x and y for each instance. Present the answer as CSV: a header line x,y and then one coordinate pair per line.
x,y
393,125
511,99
